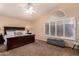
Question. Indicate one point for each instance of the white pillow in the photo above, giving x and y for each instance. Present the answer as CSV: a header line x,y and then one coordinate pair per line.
x,y
10,32
24,32
19,32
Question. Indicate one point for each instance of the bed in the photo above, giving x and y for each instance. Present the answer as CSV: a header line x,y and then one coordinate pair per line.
x,y
17,39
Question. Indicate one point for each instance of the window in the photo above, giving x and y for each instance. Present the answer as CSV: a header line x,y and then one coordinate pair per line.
x,y
69,28
59,28
64,28
52,28
47,28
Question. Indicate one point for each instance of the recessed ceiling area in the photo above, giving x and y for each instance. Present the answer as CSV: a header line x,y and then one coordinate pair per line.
x,y
23,10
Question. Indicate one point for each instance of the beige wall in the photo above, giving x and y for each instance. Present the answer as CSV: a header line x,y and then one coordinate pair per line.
x,y
7,21
69,9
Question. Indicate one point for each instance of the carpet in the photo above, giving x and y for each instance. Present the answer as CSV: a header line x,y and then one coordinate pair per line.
x,y
40,48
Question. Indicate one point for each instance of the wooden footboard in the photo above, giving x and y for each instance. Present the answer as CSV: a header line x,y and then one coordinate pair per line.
x,y
19,41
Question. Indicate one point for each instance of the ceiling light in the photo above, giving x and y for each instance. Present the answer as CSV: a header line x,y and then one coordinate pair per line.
x,y
29,9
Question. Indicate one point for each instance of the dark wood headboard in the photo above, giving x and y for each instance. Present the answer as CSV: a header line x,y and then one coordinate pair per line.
x,y
12,29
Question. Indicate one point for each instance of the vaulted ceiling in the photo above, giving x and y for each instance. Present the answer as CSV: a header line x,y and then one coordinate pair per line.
x,y
17,10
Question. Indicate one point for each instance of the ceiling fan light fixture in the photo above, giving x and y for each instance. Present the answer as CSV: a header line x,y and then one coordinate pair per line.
x,y
29,9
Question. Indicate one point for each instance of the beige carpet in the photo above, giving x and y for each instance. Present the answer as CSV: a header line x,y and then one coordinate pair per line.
x,y
40,48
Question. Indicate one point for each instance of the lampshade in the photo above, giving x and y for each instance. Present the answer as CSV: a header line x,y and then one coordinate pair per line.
x,y
28,27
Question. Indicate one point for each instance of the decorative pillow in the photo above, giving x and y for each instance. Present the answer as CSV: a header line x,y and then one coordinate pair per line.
x,y
18,33
14,33
24,32
10,32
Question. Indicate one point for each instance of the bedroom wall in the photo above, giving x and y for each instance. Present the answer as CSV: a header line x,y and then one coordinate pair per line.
x,y
7,21
69,9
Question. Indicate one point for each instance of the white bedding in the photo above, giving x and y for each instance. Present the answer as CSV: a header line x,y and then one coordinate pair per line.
x,y
13,34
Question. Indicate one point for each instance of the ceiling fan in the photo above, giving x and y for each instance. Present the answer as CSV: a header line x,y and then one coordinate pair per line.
x,y
29,9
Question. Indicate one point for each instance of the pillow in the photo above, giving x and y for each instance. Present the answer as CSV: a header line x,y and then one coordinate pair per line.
x,y
18,33
13,33
10,32
24,32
